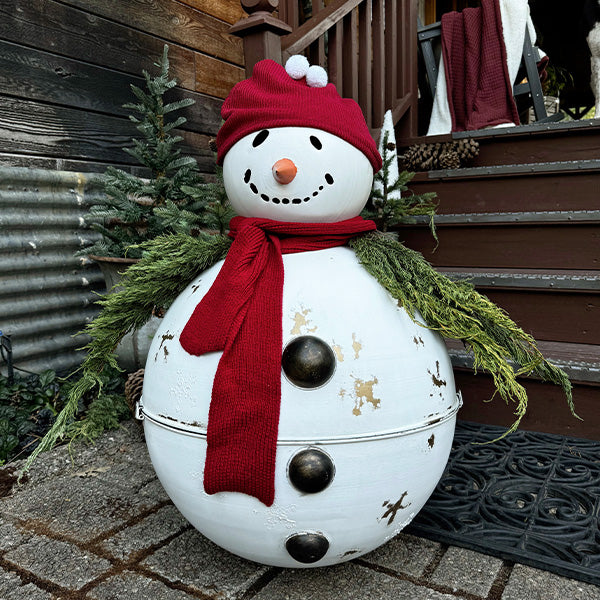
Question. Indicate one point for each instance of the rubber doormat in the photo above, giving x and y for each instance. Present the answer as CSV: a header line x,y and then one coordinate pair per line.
x,y
532,498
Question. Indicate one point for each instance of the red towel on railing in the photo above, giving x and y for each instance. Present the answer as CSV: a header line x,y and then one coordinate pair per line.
x,y
480,93
241,315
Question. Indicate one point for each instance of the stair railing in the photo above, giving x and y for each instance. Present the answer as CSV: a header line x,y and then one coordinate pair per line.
x,y
367,46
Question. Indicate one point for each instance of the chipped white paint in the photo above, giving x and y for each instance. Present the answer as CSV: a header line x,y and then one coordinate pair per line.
x,y
364,394
356,346
339,353
302,322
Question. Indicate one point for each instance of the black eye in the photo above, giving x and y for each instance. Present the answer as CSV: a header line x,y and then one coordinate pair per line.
x,y
260,138
316,142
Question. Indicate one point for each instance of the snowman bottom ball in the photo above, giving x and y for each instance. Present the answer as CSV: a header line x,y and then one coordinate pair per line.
x,y
358,454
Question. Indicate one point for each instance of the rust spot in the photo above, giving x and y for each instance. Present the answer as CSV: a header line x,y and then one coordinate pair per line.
x,y
431,440
166,352
164,338
338,352
342,393
437,381
356,346
192,424
392,509
301,320
168,418
363,392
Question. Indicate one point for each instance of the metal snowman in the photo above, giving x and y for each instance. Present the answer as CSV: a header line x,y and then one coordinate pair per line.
x,y
368,403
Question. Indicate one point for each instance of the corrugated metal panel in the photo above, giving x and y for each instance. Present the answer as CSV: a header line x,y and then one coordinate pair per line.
x,y
46,293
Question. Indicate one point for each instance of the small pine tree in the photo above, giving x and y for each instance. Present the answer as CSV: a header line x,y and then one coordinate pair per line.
x,y
174,198
209,209
391,201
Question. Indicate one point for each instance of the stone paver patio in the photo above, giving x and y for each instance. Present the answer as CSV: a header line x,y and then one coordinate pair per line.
x,y
99,526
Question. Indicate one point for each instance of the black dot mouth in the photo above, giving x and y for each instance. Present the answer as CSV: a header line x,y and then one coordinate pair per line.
x,y
248,175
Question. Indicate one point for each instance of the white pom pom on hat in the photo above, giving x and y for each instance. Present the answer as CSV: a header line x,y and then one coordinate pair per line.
x,y
316,76
297,66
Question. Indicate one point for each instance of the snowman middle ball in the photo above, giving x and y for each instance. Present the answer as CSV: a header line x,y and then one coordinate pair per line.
x,y
364,396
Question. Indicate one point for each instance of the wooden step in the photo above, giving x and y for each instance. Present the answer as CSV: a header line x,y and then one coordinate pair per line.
x,y
581,362
564,246
535,143
553,305
547,407
549,188
523,225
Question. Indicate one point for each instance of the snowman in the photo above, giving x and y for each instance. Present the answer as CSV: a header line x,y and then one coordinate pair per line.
x,y
294,413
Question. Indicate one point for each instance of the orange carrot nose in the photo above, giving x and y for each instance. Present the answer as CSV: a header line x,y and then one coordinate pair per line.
x,y
284,171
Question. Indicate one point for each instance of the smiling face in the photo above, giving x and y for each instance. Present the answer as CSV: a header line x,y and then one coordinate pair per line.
x,y
297,174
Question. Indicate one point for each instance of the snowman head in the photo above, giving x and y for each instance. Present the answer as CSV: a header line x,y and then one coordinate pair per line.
x,y
292,149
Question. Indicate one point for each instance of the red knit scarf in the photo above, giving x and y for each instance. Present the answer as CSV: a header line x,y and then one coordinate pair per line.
x,y
241,315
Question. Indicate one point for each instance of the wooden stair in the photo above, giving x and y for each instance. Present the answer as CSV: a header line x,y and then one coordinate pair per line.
x,y
522,222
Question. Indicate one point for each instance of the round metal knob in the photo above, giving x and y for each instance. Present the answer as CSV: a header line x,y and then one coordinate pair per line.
x,y
307,547
308,362
311,471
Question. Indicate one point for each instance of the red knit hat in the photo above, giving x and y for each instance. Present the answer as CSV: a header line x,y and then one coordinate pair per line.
x,y
271,98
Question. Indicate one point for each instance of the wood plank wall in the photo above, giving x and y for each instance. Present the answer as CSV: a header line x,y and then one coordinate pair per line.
x,y
66,67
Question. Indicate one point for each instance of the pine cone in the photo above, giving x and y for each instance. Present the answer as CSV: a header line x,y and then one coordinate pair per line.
x,y
449,159
158,311
440,155
467,149
133,389
418,157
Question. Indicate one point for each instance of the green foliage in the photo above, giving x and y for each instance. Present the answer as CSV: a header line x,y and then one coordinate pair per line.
x,y
557,79
392,202
174,199
105,412
25,404
457,311
209,209
217,211
168,264
29,405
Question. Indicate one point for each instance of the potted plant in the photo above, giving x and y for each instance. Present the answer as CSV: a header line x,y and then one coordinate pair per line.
x,y
174,198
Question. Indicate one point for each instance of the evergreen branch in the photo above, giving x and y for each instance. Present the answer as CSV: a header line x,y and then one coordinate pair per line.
x,y
457,311
177,105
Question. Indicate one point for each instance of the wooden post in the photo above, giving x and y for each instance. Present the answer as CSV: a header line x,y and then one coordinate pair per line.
x,y
261,32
